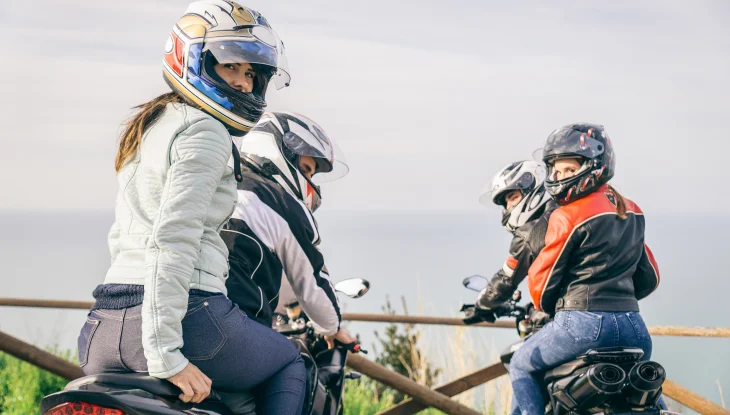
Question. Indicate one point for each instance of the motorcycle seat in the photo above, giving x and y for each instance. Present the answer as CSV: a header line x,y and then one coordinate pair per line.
x,y
142,381
566,369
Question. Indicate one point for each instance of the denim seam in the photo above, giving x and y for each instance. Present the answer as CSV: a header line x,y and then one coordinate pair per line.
x,y
119,342
121,333
616,335
639,336
87,347
194,309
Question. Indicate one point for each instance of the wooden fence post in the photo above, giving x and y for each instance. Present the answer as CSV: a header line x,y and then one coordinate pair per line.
x,y
407,386
38,357
472,380
692,400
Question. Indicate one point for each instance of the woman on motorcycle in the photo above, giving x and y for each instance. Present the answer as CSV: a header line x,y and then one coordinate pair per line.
x,y
162,307
595,266
526,206
272,233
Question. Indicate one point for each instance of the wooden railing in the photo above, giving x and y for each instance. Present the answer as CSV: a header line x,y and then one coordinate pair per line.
x,y
421,397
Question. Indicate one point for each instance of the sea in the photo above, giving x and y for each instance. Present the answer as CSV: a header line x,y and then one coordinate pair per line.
x,y
415,260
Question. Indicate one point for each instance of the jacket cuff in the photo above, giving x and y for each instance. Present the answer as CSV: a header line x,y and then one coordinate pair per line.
x,y
158,368
324,332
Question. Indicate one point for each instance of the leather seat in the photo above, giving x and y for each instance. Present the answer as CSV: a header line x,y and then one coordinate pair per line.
x,y
142,381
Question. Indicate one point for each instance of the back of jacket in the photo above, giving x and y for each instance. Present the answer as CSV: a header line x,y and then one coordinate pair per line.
x,y
272,235
593,260
175,194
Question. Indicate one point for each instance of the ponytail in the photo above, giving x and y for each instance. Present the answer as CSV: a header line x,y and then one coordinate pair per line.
x,y
620,203
135,128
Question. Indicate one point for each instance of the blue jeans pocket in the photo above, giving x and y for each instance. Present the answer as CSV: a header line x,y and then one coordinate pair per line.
x,y
583,326
203,336
84,340
642,333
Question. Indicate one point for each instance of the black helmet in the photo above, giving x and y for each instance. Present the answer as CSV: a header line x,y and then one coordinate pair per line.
x,y
590,144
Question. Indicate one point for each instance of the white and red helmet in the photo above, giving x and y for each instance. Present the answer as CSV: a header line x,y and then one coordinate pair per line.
x,y
221,31
274,146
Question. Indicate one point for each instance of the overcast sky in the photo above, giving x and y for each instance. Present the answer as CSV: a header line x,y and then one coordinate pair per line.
x,y
427,99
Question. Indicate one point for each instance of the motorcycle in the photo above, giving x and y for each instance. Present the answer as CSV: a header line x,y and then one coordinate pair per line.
x,y
141,394
610,380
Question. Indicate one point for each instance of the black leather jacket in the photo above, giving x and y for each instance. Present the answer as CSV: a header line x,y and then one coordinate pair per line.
x,y
528,241
593,260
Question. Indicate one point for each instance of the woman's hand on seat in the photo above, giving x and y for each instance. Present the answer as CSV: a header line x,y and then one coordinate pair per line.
x,y
194,384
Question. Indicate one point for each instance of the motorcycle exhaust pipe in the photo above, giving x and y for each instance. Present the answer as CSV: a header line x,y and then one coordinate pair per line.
x,y
595,386
645,379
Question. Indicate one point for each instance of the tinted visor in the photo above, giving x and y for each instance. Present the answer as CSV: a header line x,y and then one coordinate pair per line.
x,y
254,45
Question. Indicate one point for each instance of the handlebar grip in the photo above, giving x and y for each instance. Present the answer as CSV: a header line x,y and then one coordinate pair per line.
x,y
353,347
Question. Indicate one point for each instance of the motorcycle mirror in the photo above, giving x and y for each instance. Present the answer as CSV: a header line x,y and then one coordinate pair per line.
x,y
475,283
353,287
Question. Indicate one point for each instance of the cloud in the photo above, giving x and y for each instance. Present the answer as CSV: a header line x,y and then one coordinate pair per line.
x,y
426,101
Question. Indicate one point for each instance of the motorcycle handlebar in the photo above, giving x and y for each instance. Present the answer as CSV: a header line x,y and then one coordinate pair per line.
x,y
353,347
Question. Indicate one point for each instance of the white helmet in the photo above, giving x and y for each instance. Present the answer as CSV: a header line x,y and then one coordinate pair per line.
x,y
526,176
275,144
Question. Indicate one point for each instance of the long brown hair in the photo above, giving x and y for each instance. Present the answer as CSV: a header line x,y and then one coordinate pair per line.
x,y
620,202
136,126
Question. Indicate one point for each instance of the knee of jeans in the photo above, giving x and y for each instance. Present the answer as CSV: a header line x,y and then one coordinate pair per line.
x,y
297,368
520,360
515,374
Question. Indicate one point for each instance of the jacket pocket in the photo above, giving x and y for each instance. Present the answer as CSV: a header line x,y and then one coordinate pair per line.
x,y
583,326
84,340
203,336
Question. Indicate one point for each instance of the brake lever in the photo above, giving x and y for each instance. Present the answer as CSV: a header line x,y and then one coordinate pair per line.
x,y
352,347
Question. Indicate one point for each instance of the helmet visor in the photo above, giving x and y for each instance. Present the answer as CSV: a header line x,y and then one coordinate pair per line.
x,y
569,141
312,141
529,174
253,45
551,176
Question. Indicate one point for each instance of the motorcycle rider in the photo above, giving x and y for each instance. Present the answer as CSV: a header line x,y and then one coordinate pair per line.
x,y
595,266
163,307
526,206
273,233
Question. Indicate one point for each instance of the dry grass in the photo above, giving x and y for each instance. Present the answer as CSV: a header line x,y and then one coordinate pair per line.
x,y
722,396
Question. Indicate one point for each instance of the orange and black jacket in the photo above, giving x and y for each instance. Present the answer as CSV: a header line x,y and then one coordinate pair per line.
x,y
593,260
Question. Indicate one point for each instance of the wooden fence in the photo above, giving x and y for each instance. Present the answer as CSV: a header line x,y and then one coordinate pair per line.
x,y
421,397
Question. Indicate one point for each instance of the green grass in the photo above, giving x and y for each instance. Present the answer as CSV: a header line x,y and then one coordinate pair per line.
x,y
361,399
22,385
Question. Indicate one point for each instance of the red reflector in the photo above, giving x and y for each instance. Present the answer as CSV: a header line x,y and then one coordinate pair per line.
x,y
82,408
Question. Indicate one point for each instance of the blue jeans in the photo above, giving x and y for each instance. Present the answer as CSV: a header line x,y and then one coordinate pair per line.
x,y
570,334
235,352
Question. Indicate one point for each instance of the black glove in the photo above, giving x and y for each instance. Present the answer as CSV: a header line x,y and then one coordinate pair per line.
x,y
536,317
473,315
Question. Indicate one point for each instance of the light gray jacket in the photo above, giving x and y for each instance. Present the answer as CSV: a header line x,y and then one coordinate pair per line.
x,y
174,195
